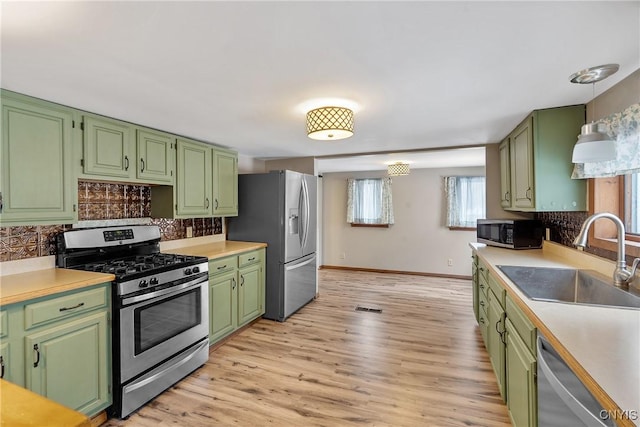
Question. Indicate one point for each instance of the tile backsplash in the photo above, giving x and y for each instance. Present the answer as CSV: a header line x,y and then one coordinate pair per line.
x,y
100,201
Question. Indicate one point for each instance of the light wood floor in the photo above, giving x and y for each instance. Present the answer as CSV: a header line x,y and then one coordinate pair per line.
x,y
420,362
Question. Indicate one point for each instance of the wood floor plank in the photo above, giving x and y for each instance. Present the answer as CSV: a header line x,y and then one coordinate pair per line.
x,y
420,362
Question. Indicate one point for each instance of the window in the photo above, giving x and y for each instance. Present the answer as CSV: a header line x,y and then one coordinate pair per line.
x,y
465,201
369,202
632,203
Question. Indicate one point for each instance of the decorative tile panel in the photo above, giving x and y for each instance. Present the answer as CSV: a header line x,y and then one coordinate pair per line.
x,y
100,201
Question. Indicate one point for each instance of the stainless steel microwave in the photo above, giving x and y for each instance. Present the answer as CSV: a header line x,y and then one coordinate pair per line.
x,y
511,233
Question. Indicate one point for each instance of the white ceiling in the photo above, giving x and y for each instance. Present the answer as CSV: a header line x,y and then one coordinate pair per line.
x,y
424,75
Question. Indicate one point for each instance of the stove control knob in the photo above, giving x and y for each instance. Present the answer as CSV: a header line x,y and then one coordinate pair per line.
x,y
196,269
143,284
187,271
153,281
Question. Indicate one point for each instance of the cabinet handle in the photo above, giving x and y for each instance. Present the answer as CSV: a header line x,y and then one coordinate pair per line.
x,y
1,367
507,196
527,193
71,308
233,283
216,201
241,279
206,203
126,163
482,320
141,165
251,259
223,267
1,204
481,286
35,348
482,303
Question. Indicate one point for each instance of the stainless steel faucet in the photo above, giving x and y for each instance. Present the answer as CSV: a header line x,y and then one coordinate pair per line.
x,y
622,276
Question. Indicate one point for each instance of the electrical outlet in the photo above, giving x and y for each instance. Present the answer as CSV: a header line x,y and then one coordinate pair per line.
x,y
450,262
189,231
343,255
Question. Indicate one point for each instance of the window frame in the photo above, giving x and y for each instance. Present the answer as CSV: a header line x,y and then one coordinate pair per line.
x,y
364,224
608,195
459,227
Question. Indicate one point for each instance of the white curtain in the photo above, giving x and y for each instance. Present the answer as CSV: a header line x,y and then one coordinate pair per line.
x,y
465,200
624,128
369,201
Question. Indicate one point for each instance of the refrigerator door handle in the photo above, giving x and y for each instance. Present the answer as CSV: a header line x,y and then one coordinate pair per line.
x,y
302,264
301,213
305,211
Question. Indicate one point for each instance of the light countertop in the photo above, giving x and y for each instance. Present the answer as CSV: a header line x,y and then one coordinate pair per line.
x,y
25,286
600,344
21,407
217,249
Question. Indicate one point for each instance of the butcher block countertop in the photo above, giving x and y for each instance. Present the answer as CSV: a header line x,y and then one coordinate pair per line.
x,y
21,407
34,284
600,344
218,249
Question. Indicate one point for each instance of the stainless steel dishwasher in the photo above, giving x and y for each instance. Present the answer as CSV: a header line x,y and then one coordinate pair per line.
x,y
562,398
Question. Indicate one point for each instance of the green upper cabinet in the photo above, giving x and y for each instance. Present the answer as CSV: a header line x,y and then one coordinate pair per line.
x,y
505,173
117,150
225,182
155,161
37,183
193,189
537,175
107,147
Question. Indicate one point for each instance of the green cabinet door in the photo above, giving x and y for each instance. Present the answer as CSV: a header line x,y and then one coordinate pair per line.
x,y
521,380
225,183
107,148
193,189
475,285
70,363
222,305
495,340
155,157
505,174
36,182
522,165
250,294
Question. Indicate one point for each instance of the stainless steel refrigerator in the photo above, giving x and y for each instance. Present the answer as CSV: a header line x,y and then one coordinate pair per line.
x,y
279,208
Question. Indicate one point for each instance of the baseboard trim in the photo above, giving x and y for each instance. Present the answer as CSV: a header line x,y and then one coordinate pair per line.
x,y
379,270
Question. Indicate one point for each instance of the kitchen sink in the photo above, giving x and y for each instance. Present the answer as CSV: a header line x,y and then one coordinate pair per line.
x,y
569,286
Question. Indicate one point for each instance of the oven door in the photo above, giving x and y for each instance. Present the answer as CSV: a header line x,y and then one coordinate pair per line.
x,y
162,325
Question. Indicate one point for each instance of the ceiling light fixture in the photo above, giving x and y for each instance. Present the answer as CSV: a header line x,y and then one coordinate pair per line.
x,y
398,169
594,145
330,123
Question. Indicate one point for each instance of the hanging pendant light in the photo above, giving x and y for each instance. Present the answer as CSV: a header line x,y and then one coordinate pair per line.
x,y
594,144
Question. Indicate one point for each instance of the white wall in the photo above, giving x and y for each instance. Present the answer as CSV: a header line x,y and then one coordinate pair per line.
x,y
248,164
417,242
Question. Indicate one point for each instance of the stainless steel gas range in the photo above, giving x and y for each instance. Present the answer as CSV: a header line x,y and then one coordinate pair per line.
x,y
160,308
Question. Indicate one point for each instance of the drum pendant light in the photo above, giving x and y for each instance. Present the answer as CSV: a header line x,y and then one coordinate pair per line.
x,y
594,145
330,123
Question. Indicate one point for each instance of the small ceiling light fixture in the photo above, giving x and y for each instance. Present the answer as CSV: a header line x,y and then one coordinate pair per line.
x,y
594,145
398,169
330,123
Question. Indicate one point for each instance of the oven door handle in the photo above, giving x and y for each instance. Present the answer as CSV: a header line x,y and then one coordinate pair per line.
x,y
129,388
162,292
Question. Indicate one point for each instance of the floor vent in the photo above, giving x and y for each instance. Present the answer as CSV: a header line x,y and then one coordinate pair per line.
x,y
372,310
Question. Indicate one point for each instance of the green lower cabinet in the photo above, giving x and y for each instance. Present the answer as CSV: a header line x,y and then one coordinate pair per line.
x,y
222,305
474,285
521,380
69,363
236,292
5,361
250,295
495,340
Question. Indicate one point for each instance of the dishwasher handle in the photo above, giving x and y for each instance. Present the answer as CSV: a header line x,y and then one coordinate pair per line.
x,y
573,402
